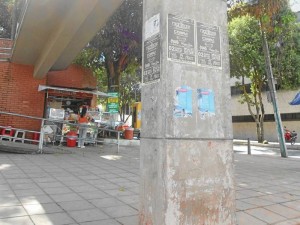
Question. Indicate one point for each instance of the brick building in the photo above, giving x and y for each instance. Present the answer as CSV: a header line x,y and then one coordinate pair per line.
x,y
19,90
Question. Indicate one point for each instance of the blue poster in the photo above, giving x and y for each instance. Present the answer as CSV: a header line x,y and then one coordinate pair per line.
x,y
206,102
183,105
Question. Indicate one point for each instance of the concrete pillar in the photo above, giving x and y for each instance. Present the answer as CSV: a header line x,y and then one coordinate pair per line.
x,y
186,139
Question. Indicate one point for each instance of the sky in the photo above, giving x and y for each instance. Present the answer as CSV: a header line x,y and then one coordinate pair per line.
x,y
295,5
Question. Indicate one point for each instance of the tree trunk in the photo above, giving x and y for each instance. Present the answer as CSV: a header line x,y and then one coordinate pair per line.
x,y
259,114
114,70
260,132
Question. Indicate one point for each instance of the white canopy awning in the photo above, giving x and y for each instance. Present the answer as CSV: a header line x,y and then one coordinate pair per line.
x,y
98,93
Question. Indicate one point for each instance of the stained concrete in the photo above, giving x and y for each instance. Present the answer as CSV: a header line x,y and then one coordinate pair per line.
x,y
186,162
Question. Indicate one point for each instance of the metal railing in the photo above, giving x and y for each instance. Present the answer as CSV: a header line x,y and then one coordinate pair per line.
x,y
5,53
49,122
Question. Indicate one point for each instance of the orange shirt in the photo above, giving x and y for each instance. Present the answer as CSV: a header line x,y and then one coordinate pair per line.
x,y
83,119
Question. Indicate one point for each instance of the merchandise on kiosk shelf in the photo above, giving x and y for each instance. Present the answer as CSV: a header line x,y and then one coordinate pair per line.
x,y
56,113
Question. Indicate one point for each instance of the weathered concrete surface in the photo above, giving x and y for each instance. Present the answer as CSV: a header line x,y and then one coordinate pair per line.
x,y
186,162
187,182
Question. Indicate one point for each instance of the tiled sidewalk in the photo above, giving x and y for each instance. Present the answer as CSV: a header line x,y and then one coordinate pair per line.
x,y
85,188
79,188
268,190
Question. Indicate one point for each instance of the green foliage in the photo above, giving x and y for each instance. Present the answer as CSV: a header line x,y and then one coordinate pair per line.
x,y
283,40
122,30
247,26
245,48
6,7
120,41
129,91
284,48
88,58
115,52
247,61
100,74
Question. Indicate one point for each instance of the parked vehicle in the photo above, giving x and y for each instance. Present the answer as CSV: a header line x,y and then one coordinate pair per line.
x,y
290,136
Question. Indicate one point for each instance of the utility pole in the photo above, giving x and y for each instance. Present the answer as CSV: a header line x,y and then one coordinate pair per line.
x,y
273,95
186,149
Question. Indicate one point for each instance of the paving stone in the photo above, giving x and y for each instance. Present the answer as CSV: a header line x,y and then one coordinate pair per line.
x,y
76,205
88,177
247,194
12,211
240,205
131,220
22,220
102,222
135,206
66,197
273,198
73,183
106,202
84,188
88,215
4,187
129,184
52,219
7,193
293,204
51,184
14,176
42,208
38,199
246,219
120,211
257,201
130,199
290,222
24,186
39,175
44,180
107,186
288,196
19,181
57,190
29,192
119,180
265,215
295,192
283,211
118,192
93,195
69,180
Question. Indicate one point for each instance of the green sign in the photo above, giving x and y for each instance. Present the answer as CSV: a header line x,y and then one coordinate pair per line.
x,y
113,102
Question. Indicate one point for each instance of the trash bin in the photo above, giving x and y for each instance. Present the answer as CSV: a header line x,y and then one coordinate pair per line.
x,y
71,139
36,137
129,133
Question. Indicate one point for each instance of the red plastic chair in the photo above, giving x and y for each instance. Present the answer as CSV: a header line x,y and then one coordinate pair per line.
x,y
7,133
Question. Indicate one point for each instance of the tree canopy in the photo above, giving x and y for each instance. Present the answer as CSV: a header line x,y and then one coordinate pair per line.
x,y
115,52
247,60
283,39
249,24
6,7
120,41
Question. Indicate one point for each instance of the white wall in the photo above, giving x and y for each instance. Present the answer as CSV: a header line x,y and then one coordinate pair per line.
x,y
283,99
248,130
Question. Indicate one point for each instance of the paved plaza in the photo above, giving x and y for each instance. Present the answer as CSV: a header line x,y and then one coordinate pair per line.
x,y
97,186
